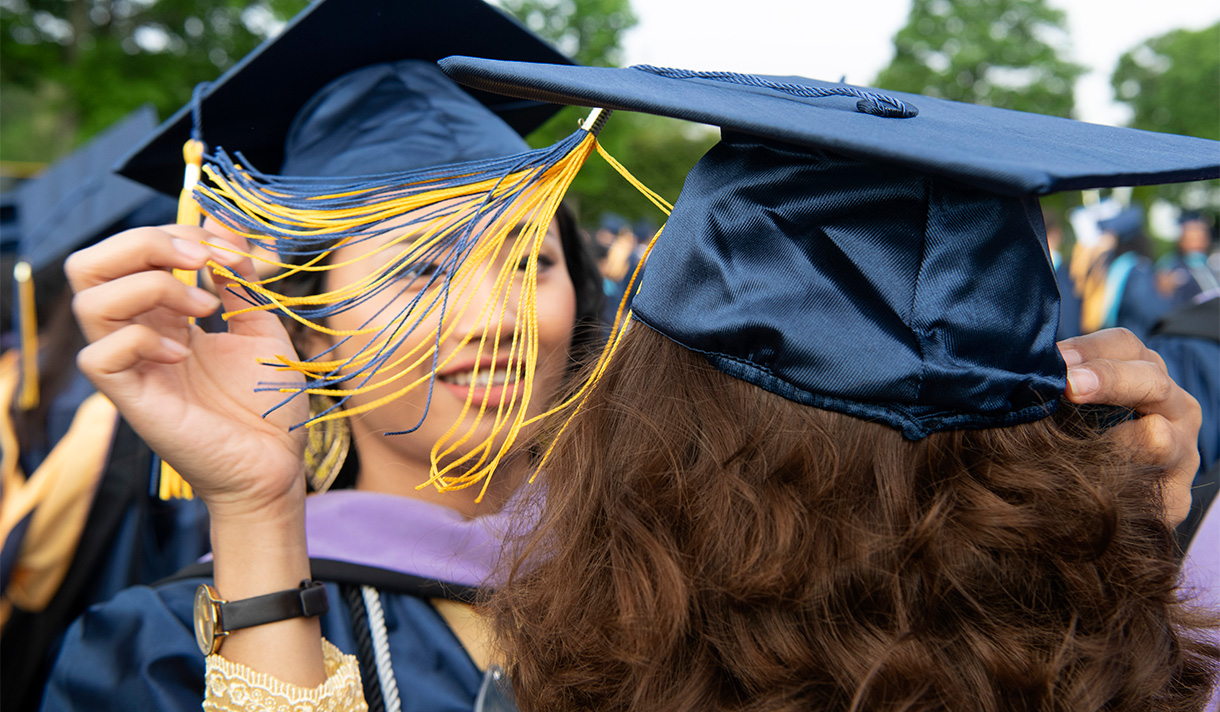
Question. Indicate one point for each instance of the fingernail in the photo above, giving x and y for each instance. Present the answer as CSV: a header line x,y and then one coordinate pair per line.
x,y
1082,381
174,347
224,257
203,296
190,249
1072,357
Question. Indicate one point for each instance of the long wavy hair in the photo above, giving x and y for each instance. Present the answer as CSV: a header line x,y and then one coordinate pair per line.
x,y
706,545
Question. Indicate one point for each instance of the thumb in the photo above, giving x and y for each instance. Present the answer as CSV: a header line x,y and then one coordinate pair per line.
x,y
240,311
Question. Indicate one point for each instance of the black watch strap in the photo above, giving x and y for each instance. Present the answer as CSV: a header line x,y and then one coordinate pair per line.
x,y
306,601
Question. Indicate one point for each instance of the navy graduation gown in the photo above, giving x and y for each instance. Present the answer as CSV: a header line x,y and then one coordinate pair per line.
x,y
1188,340
129,538
138,652
1140,303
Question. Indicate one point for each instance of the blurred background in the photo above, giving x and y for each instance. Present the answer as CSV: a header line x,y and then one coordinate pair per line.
x,y
69,68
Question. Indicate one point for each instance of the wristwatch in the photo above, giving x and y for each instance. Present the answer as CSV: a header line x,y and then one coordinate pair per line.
x,y
215,617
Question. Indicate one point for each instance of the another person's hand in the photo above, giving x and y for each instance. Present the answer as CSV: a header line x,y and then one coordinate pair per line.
x,y
189,394
1114,367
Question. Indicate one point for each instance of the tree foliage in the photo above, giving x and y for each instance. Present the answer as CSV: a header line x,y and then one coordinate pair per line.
x,y
69,68
588,31
656,150
1004,53
1172,83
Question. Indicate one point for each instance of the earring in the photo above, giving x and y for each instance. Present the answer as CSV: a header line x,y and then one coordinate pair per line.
x,y
326,447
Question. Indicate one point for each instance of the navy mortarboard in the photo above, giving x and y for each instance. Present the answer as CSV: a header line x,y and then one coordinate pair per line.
x,y
1125,226
252,105
79,198
74,202
874,253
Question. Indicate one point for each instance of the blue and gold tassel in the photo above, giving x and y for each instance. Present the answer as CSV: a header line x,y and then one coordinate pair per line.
x,y
438,233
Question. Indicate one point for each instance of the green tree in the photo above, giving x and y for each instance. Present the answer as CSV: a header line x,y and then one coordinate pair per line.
x,y
69,68
1172,84
1004,53
588,31
656,150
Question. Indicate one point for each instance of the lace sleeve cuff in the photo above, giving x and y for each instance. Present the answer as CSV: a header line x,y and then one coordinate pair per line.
x,y
233,687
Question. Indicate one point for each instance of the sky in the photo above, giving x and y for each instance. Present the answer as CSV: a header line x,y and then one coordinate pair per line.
x,y
853,38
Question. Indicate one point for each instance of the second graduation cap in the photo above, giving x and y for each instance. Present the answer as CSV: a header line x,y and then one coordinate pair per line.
x,y
251,107
873,253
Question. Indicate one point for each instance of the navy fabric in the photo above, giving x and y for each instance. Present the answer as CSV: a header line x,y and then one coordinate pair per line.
x,y
129,538
1006,152
1069,302
1140,303
1189,342
251,106
393,117
78,199
941,315
1126,226
10,229
1189,275
138,652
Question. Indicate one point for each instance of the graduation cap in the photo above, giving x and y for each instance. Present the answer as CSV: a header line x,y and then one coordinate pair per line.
x,y
1125,226
71,204
874,253
78,199
252,105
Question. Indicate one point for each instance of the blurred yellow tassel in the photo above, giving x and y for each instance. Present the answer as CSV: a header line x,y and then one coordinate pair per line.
x,y
27,397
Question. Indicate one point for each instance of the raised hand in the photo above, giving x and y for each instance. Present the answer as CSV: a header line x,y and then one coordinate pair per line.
x,y
189,394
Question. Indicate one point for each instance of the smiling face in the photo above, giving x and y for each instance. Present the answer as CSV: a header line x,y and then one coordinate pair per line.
x,y
467,377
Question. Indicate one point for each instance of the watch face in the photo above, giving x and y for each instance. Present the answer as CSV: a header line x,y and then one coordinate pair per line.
x,y
205,620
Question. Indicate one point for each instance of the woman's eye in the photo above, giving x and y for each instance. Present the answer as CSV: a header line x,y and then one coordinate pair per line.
x,y
545,262
417,270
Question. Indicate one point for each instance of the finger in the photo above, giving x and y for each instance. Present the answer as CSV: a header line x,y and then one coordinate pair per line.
x,y
1152,439
252,323
110,361
1116,344
141,250
1142,386
110,306
1155,440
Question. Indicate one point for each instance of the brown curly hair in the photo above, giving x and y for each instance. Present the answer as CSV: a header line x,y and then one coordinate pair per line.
x,y
712,546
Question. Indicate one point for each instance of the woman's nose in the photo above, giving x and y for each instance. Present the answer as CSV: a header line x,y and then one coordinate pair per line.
x,y
482,304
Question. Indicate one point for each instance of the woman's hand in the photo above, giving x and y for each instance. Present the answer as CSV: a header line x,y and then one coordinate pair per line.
x,y
188,393
191,396
1114,367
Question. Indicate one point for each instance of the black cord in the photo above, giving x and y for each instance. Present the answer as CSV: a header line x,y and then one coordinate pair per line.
x,y
364,646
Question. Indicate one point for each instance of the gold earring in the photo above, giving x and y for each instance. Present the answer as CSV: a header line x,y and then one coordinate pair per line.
x,y
326,447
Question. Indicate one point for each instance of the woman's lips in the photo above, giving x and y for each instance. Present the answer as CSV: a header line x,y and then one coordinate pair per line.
x,y
490,388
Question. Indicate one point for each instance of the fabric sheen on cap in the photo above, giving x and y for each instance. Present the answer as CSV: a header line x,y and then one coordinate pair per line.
x,y
866,289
